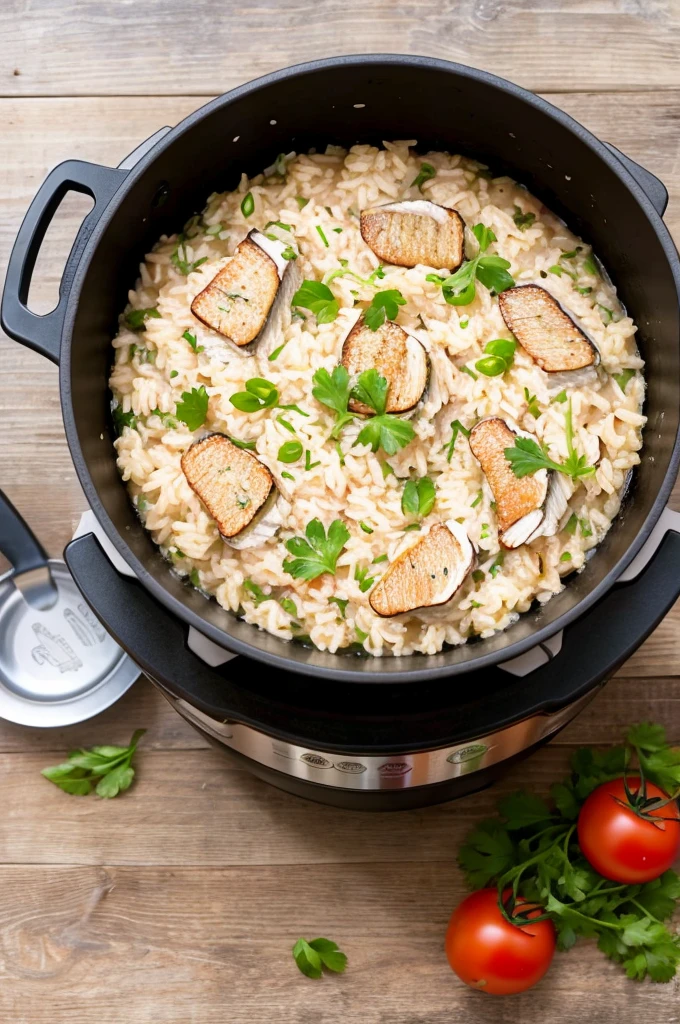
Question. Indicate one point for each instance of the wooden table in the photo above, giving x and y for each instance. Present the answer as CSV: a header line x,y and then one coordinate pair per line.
x,y
179,902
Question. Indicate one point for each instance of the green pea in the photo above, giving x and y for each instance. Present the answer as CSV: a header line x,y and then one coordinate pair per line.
x,y
491,366
290,451
501,347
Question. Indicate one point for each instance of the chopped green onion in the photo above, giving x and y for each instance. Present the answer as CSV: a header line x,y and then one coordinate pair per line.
x,y
288,476
290,451
470,373
475,503
248,205
379,558
301,201
365,527
321,234
565,556
286,424
308,461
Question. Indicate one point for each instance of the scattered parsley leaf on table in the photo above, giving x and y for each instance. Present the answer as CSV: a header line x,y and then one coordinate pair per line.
x,y
108,769
311,957
318,553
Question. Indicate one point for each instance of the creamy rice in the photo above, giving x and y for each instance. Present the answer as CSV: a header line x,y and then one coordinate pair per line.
x,y
155,365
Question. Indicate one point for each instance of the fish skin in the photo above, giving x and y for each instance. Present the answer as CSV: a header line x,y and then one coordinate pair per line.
x,y
416,577
251,274
396,355
545,330
515,497
413,238
220,473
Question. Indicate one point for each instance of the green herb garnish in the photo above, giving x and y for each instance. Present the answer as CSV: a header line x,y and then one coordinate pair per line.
x,y
107,769
191,338
527,456
135,318
321,235
384,306
365,527
247,205
500,355
301,201
523,220
459,289
257,593
249,446
123,419
341,602
418,497
333,390
456,429
426,173
179,259
308,461
363,579
318,553
259,394
290,451
312,957
193,409
532,404
319,299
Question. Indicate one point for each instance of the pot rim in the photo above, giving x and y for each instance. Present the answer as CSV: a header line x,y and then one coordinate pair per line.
x,y
342,670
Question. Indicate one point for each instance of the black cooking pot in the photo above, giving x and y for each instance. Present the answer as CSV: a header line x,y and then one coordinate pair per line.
x,y
603,196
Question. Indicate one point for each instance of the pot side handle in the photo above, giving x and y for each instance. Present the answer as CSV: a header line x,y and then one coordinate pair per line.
x,y
594,646
43,333
653,187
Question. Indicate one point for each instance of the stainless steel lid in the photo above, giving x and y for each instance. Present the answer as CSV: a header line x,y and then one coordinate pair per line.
x,y
58,665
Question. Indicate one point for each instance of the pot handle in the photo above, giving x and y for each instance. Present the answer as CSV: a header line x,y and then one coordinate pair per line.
x,y
25,553
43,333
653,187
594,646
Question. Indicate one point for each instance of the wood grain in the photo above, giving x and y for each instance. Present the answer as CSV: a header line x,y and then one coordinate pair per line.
x,y
136,945
105,47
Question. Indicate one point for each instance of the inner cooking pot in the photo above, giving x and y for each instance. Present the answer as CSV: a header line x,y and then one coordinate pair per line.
x,y
606,199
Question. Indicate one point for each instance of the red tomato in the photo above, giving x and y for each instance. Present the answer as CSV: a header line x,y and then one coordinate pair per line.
x,y
489,953
619,843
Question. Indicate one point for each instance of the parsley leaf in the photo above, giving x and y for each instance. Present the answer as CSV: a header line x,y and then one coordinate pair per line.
x,y
418,497
385,305
319,299
371,389
341,602
193,409
178,257
191,338
623,378
318,553
333,390
135,318
386,432
363,579
107,769
311,957
527,456
523,220
426,173
459,289
123,419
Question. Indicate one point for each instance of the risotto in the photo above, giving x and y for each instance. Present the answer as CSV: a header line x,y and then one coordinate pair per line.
x,y
383,481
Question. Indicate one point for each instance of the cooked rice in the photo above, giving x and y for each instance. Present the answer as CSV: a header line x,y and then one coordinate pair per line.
x,y
338,185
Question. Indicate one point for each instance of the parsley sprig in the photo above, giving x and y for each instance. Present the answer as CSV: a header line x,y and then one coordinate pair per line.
x,y
418,497
382,430
193,409
460,289
106,769
318,299
311,957
426,173
318,553
527,456
384,306
532,851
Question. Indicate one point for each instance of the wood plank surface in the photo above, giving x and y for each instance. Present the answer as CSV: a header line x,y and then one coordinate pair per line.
x,y
178,902
112,47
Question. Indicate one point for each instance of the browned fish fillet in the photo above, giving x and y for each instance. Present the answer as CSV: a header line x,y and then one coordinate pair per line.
x,y
237,301
396,355
515,497
547,333
414,232
232,484
426,574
